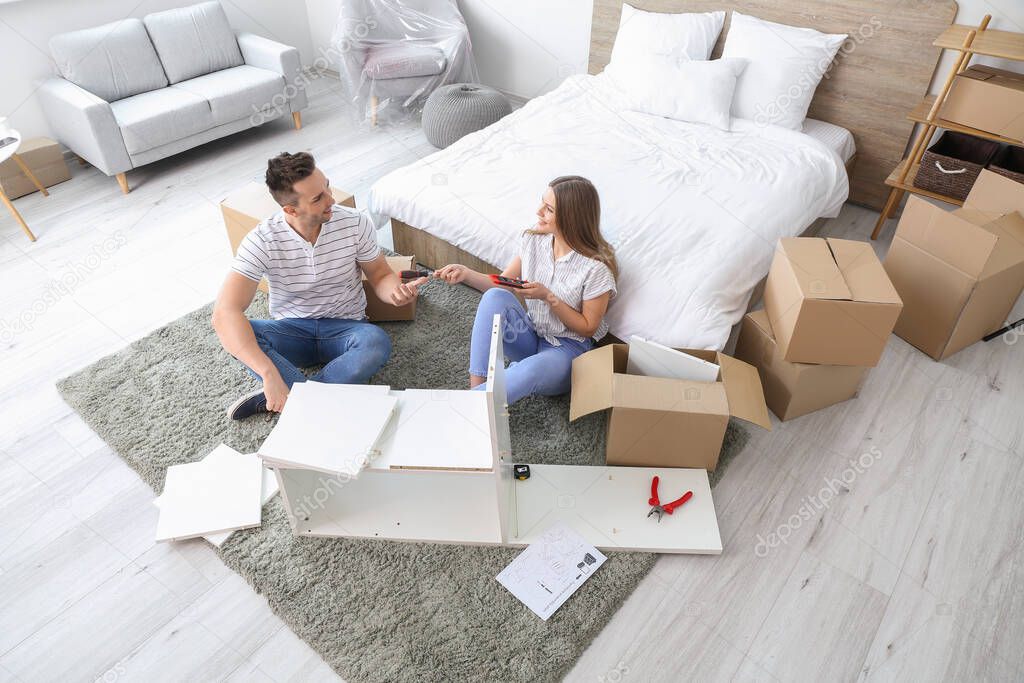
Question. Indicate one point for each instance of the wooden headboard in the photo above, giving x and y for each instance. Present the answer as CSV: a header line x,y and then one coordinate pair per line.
x,y
881,72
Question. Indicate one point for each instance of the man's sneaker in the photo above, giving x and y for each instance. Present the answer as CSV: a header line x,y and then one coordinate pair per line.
x,y
248,405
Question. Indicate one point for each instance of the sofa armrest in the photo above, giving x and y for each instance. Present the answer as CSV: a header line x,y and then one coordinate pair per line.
x,y
274,56
85,124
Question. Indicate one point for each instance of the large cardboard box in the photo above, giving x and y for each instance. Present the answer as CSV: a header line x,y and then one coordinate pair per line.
x,y
988,99
793,389
379,311
660,421
44,157
959,273
247,206
829,301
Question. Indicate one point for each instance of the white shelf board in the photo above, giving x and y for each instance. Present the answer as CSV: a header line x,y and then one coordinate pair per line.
x,y
608,507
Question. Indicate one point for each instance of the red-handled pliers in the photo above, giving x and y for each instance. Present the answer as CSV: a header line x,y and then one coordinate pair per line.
x,y
667,508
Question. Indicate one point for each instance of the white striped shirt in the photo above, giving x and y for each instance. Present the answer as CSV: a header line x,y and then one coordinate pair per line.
x,y
573,278
321,280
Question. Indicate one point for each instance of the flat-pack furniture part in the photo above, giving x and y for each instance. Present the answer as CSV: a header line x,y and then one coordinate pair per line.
x,y
959,273
221,493
830,301
441,471
793,389
661,421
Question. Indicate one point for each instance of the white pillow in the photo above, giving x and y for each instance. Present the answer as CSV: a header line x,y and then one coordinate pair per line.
x,y
786,64
674,36
696,91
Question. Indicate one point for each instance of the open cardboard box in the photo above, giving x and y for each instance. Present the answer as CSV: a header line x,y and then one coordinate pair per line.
x,y
247,206
988,99
830,301
661,421
793,389
959,273
43,157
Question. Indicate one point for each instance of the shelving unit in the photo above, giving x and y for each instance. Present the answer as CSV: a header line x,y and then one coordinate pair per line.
x,y
967,41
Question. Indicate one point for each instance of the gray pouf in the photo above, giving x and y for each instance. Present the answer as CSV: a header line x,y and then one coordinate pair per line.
x,y
455,110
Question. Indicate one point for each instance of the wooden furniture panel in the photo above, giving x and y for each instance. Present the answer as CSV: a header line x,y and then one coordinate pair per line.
x,y
880,73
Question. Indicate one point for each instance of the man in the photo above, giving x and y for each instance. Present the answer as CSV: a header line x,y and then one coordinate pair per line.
x,y
313,253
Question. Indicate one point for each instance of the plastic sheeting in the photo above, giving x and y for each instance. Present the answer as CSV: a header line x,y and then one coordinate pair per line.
x,y
392,54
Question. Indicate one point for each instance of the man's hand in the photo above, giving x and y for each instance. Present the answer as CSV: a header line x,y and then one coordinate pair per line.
x,y
275,391
535,290
407,291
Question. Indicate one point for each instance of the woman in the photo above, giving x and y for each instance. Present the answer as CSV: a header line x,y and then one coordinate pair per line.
x,y
570,273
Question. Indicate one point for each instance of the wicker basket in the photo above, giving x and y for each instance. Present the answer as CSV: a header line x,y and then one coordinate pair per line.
x,y
1009,162
953,163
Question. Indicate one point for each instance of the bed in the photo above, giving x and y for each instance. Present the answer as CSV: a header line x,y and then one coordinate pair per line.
x,y
693,212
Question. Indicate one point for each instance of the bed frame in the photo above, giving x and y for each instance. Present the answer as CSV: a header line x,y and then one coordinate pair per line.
x,y
879,75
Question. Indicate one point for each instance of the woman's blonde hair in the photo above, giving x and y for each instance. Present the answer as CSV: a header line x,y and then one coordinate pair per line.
x,y
578,215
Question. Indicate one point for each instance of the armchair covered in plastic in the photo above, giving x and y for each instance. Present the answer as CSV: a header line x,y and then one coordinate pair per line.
x,y
393,53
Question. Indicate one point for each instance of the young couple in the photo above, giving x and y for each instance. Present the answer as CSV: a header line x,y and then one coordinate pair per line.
x,y
313,253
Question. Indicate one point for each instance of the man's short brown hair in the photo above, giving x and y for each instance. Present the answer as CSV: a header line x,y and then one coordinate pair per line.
x,y
284,170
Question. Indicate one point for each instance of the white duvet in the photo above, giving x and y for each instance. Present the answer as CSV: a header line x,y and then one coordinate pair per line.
x,y
693,212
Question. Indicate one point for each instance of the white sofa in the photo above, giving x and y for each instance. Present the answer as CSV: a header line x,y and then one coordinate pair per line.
x,y
136,91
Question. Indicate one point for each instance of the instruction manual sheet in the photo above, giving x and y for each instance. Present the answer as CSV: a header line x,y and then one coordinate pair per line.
x,y
551,569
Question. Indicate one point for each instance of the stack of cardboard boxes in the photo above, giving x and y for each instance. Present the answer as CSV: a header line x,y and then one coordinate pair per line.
x,y
829,309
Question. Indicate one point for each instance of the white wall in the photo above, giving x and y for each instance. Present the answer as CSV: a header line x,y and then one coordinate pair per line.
x,y
27,25
1007,15
522,48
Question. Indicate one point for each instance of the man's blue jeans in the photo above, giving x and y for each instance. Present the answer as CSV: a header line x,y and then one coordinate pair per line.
x,y
351,351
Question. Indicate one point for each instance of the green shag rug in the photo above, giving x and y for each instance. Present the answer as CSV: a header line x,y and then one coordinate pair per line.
x,y
374,610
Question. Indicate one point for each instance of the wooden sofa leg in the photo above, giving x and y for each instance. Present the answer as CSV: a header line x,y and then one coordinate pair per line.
x,y
297,119
373,110
122,180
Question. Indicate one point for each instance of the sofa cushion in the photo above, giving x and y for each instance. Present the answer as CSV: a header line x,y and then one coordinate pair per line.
x,y
403,61
193,41
154,118
112,61
238,92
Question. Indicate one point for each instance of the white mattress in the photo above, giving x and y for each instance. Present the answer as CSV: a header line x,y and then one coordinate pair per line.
x,y
836,138
694,213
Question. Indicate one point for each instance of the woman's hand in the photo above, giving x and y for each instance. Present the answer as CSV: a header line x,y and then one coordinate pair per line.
x,y
453,273
535,290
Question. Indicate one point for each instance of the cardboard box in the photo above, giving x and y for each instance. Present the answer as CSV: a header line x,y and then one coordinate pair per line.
x,y
959,273
793,389
663,422
988,99
379,311
829,301
244,208
44,157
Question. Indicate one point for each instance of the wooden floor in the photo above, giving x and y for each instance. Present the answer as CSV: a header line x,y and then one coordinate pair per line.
x,y
904,566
